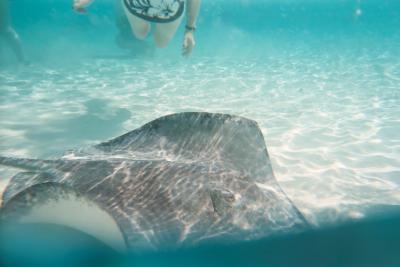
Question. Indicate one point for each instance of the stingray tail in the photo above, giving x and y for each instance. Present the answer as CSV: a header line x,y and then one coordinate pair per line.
x,y
25,164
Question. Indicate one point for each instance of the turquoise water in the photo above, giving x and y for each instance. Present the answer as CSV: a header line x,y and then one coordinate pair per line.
x,y
321,79
371,243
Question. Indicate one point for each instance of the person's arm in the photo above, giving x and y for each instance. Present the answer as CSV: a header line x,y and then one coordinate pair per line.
x,y
192,10
80,5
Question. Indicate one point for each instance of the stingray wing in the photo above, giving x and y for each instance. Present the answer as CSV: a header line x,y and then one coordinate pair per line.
x,y
58,204
233,142
22,181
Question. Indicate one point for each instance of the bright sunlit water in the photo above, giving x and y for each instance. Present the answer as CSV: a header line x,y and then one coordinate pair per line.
x,y
322,79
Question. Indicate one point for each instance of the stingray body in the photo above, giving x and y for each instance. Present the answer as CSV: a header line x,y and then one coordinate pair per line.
x,y
178,180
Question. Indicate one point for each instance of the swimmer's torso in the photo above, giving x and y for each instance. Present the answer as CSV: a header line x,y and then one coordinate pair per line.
x,y
160,11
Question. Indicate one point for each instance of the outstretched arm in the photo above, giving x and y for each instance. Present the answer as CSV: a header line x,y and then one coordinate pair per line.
x,y
193,9
80,5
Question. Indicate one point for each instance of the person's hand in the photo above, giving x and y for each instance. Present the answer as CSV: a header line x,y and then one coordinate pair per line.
x,y
80,5
188,43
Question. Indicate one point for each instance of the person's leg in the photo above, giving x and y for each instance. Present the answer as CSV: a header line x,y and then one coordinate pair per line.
x,y
4,14
139,27
12,38
164,32
8,33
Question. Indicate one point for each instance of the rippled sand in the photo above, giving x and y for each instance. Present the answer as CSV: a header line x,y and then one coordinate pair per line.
x,y
331,123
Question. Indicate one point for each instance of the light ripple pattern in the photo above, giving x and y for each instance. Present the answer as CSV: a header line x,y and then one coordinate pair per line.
x,y
331,120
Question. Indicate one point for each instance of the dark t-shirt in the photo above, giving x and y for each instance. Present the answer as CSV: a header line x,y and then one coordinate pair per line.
x,y
160,11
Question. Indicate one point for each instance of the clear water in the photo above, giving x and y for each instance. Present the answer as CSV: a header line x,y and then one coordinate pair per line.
x,y
322,81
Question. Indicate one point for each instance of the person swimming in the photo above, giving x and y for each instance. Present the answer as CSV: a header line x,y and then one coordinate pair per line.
x,y
165,14
8,33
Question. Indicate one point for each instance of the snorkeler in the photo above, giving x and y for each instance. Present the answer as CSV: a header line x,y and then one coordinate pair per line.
x,y
166,14
8,33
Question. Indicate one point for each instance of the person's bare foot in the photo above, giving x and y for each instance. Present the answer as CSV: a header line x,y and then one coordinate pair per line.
x,y
80,5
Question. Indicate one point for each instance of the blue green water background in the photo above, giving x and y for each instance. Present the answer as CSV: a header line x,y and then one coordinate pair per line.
x,y
321,78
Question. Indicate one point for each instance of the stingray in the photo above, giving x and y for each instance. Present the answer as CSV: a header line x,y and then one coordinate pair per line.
x,y
177,181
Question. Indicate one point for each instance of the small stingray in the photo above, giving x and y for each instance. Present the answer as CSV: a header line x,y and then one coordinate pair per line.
x,y
176,181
